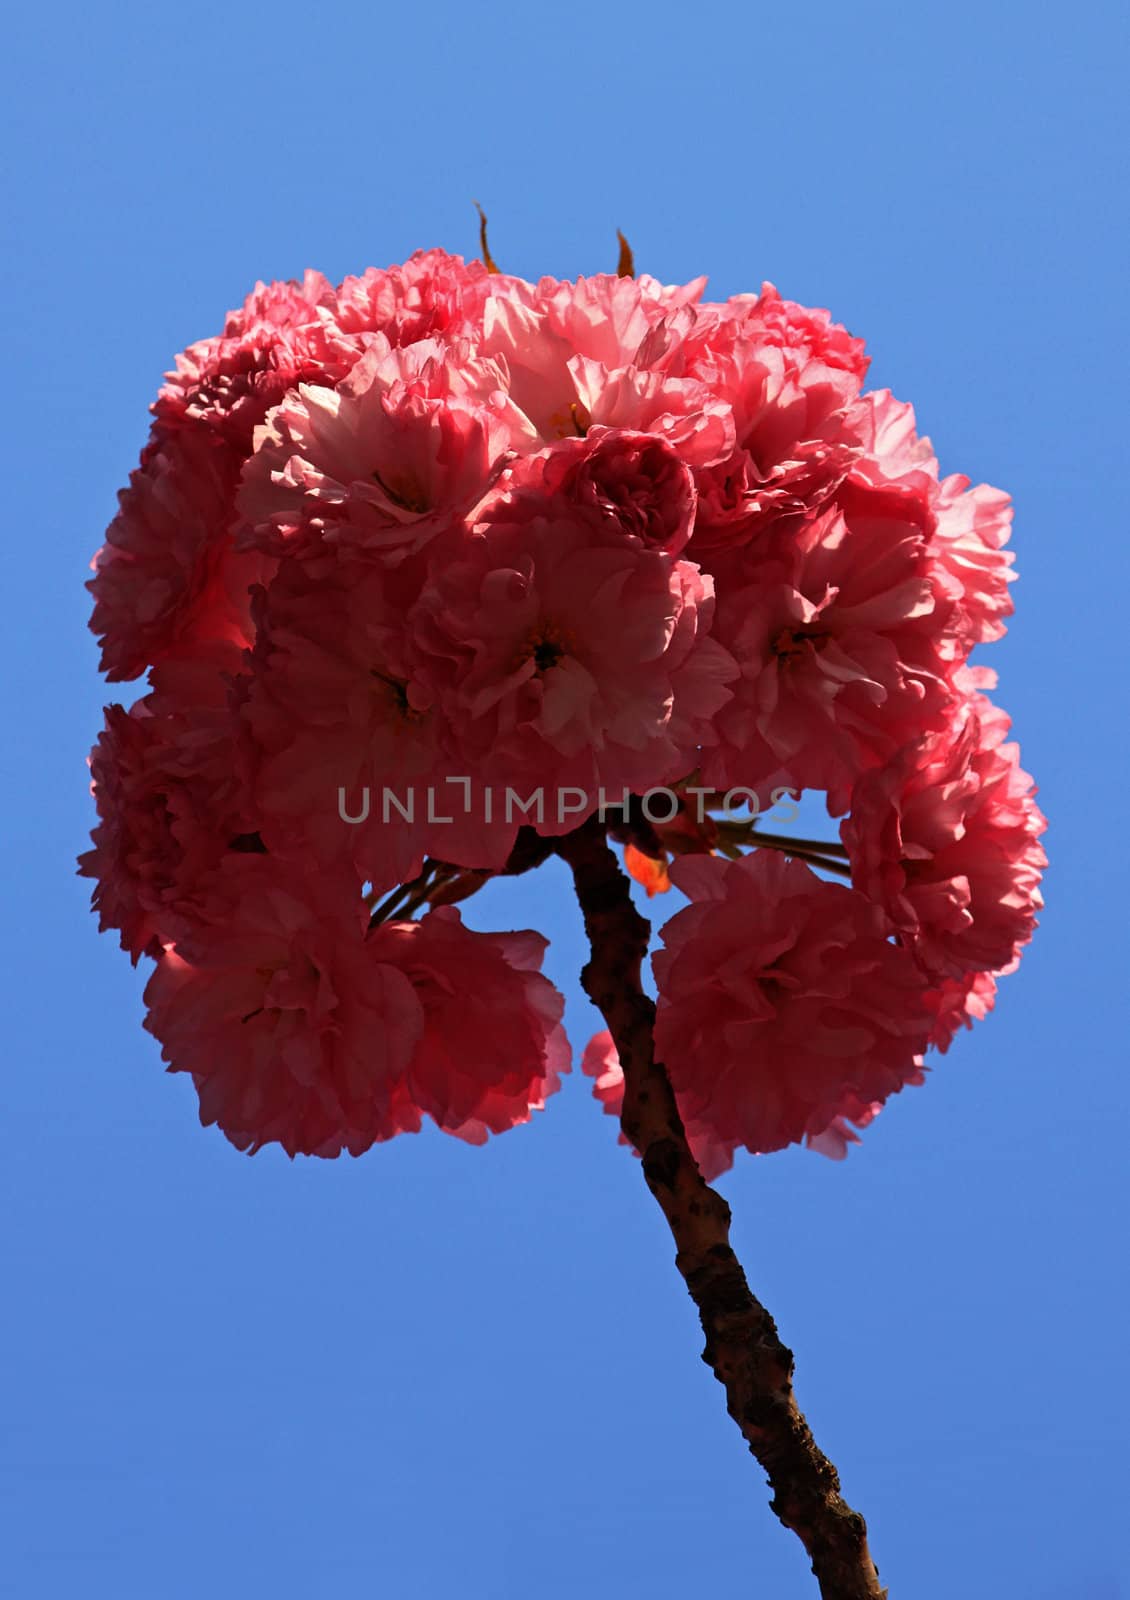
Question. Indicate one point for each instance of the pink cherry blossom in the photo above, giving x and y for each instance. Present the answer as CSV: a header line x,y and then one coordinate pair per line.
x,y
793,442
842,635
541,331
792,445
492,1048
782,1003
293,1028
428,567
283,335
636,482
809,329
973,525
399,453
335,728
712,1156
167,577
303,1027
564,655
695,420
945,837
433,294
892,456
960,1002
170,807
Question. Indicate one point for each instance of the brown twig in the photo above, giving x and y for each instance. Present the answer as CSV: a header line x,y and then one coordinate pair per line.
x,y
811,858
626,266
441,884
784,841
488,260
743,1347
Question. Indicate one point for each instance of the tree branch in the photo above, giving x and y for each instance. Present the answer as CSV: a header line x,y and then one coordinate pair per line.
x,y
743,1347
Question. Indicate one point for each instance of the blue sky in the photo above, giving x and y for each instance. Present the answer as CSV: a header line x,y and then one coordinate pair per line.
x,y
441,1371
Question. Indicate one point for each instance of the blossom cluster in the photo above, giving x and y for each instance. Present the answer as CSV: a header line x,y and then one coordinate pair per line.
x,y
437,525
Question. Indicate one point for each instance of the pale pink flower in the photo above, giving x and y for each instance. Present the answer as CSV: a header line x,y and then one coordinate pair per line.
x,y
399,453
694,420
782,1003
302,1026
294,1028
968,526
637,483
840,631
433,294
335,728
945,837
960,1002
538,330
892,455
803,328
564,655
167,578
283,335
170,808
606,318
492,1049
973,525
792,445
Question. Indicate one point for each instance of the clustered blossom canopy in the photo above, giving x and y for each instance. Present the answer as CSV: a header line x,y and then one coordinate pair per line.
x,y
442,533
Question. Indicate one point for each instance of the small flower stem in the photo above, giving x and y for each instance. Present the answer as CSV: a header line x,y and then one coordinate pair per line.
x,y
743,1347
789,848
781,841
392,902
439,883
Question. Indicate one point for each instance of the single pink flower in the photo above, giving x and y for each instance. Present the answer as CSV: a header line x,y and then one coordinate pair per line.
x,y
345,761
565,656
968,527
492,1049
945,837
171,808
960,1002
283,335
687,413
892,455
841,632
782,1003
809,329
293,1028
636,483
792,445
432,295
380,466
168,579
539,329
973,525
168,576
301,1026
